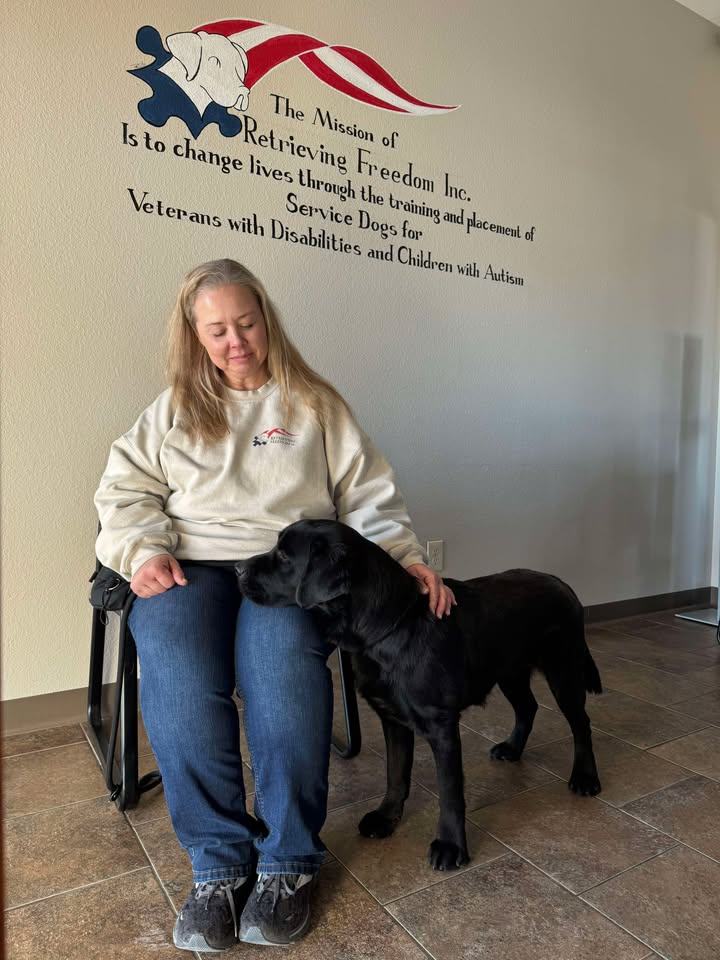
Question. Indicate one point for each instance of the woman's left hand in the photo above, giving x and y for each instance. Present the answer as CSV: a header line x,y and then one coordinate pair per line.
x,y
442,599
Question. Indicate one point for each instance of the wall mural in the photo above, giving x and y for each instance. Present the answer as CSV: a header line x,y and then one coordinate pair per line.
x,y
380,209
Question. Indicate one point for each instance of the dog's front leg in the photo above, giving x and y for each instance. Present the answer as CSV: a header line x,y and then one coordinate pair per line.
x,y
399,750
449,849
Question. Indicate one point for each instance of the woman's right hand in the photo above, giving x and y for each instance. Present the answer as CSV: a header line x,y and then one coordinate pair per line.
x,y
157,575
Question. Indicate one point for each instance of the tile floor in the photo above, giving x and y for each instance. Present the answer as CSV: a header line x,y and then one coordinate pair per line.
x,y
629,875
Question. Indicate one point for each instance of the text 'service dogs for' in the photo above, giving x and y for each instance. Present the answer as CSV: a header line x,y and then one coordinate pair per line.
x,y
419,673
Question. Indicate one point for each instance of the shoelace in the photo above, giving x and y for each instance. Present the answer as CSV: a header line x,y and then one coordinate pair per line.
x,y
207,889
279,885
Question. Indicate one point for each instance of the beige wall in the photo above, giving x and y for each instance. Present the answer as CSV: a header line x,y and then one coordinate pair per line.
x,y
567,424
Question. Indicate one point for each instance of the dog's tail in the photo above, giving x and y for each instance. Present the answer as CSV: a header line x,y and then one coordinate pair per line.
x,y
593,684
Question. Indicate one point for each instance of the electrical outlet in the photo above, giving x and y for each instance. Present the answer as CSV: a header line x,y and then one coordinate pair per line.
x,y
435,551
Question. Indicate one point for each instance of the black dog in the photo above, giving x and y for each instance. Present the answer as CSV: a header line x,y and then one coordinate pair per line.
x,y
419,672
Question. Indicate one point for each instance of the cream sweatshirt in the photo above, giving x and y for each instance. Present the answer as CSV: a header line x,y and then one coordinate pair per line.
x,y
163,493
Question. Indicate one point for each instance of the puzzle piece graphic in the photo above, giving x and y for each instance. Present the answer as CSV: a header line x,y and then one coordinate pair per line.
x,y
168,100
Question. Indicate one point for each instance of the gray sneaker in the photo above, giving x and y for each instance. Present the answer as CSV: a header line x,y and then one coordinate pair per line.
x,y
208,920
278,910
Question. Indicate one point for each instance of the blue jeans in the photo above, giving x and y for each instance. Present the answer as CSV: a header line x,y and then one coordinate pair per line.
x,y
195,644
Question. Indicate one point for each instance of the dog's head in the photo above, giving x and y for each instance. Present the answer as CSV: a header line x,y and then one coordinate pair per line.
x,y
214,63
310,566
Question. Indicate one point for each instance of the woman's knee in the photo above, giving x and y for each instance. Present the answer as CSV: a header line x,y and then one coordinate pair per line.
x,y
283,674
281,643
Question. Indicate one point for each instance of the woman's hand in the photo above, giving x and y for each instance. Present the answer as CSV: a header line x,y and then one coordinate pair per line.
x,y
156,576
442,599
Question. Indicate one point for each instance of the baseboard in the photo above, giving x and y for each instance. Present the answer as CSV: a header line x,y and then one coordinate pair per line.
x,y
26,714
700,596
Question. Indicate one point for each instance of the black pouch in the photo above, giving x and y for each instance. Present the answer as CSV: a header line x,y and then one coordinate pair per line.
x,y
109,590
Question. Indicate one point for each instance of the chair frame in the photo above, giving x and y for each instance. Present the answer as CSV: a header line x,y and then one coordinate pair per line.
x,y
121,772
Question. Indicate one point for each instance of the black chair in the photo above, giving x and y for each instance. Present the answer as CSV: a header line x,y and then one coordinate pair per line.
x,y
120,765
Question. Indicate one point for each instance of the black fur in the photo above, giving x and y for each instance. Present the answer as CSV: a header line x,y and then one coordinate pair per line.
x,y
419,672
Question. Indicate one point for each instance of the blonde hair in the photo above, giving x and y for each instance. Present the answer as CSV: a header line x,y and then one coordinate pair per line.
x,y
197,384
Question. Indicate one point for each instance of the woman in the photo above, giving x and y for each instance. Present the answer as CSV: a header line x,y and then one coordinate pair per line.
x,y
246,440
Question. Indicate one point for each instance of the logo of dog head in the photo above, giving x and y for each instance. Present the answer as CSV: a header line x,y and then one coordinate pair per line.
x,y
207,71
209,68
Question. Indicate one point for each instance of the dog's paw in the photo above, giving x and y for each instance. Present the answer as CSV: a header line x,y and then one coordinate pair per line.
x,y
447,856
585,784
504,751
376,825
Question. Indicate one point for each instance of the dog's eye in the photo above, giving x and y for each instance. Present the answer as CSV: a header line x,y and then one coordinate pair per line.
x,y
281,555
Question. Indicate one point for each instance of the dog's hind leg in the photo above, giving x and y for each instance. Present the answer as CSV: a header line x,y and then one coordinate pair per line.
x,y
399,750
449,849
569,693
517,691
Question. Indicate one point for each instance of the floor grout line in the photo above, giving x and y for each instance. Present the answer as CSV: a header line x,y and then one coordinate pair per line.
x,y
559,882
681,737
82,886
409,933
554,880
708,723
58,746
141,823
706,664
633,696
644,796
154,869
580,896
665,673
32,753
661,646
654,856
650,746
449,874
653,949
59,806
677,840
703,853
352,803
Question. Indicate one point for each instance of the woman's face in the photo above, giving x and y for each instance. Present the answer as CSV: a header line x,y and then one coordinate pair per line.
x,y
230,326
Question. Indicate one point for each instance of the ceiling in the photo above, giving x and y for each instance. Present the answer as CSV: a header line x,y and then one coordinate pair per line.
x,y
710,9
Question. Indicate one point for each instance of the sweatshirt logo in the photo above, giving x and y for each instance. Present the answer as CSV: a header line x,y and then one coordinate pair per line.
x,y
276,435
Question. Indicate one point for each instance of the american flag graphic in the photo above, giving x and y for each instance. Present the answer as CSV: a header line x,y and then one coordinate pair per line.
x,y
350,71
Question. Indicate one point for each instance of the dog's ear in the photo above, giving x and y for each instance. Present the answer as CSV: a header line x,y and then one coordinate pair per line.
x,y
326,575
243,60
187,48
